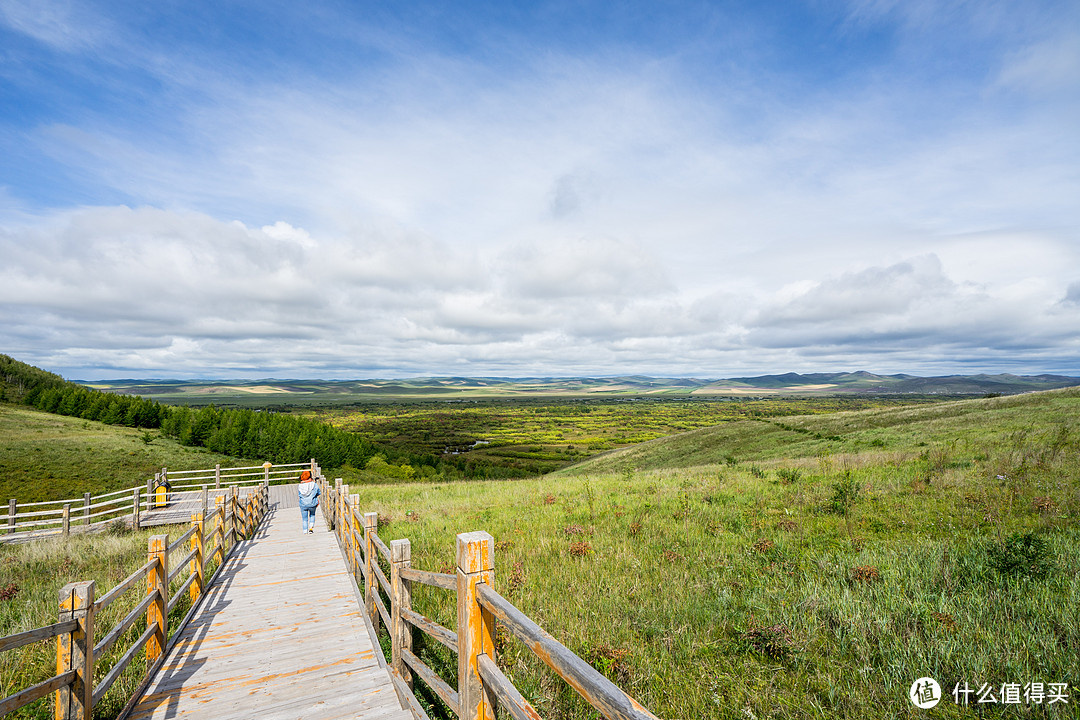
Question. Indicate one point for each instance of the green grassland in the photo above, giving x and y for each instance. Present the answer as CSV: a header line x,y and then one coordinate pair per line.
x,y
53,457
782,575
771,565
539,436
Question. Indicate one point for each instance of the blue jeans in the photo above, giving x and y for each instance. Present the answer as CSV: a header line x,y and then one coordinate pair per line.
x,y
307,517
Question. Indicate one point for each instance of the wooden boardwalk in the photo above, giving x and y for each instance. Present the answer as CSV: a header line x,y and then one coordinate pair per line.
x,y
280,636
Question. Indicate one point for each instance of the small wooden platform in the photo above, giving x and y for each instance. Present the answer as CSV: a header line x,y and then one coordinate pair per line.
x,y
280,636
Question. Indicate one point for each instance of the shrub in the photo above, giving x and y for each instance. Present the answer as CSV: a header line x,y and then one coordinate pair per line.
x,y
789,476
775,641
865,574
845,493
580,548
9,592
1021,555
764,545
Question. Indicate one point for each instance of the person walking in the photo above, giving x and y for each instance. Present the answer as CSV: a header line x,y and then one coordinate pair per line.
x,y
309,500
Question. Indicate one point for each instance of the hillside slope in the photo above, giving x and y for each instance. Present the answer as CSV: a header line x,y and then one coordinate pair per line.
x,y
52,457
983,421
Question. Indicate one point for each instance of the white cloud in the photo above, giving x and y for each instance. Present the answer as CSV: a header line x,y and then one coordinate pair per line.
x,y
567,214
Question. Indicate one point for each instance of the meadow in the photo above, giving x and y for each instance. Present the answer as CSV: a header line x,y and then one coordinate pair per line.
x,y
775,566
52,457
535,437
780,580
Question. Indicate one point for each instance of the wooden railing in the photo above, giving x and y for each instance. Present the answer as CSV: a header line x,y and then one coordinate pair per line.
x,y
481,683
135,506
233,518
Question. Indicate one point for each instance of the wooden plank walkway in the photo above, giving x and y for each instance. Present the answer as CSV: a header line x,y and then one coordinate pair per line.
x,y
280,636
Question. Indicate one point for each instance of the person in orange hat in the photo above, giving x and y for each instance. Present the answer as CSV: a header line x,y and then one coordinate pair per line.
x,y
309,500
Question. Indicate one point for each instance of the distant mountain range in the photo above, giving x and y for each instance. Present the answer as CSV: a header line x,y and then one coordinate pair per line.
x,y
320,391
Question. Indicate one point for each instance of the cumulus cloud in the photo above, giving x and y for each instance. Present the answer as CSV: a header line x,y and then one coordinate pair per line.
x,y
560,212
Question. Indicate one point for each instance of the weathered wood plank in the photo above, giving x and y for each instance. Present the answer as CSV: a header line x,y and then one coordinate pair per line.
x,y
279,635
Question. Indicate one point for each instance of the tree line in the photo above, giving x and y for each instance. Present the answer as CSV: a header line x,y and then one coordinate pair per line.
x,y
243,433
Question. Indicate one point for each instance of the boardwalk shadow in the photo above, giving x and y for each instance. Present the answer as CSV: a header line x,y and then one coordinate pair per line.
x,y
185,659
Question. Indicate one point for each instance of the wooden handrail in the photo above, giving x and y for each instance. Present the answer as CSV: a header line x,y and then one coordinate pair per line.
x,y
76,658
445,581
442,688
504,690
444,635
18,640
478,608
61,515
600,692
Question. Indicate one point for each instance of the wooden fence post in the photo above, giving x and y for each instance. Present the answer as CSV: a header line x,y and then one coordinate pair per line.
x,y
219,505
354,507
337,504
217,476
67,518
266,470
196,588
157,584
86,508
205,499
400,599
475,625
75,651
234,506
349,528
12,507
135,502
371,526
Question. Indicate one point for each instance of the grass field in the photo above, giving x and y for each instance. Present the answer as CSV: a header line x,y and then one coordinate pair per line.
x,y
773,567
539,436
773,585
52,457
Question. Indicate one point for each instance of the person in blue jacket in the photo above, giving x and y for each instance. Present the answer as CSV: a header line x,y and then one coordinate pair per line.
x,y
309,500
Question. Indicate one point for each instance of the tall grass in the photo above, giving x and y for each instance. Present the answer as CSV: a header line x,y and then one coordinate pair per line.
x,y
737,591
31,576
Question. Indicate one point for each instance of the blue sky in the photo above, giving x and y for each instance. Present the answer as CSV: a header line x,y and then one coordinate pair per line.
x,y
345,189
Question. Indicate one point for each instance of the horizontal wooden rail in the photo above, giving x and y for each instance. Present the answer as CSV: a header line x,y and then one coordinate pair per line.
x,y
444,635
433,681
600,692
383,612
384,582
76,658
509,697
381,546
125,585
179,595
18,640
30,694
445,581
122,664
181,566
